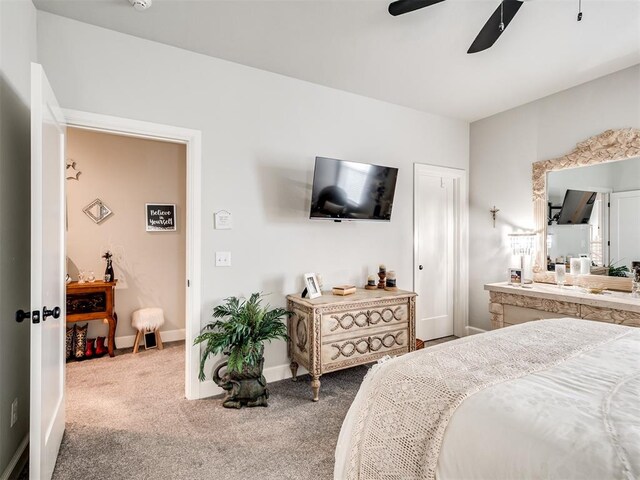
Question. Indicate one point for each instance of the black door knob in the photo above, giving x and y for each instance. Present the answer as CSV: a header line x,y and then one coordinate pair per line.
x,y
55,313
420,267
21,315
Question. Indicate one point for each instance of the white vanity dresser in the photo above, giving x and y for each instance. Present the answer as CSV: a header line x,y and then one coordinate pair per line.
x,y
511,305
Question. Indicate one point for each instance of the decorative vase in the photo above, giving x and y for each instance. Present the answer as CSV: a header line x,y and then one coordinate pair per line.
x,y
108,273
248,387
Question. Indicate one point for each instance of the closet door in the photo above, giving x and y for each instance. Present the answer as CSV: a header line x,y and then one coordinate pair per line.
x,y
625,228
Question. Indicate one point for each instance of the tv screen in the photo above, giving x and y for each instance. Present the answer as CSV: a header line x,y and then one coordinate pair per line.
x,y
352,191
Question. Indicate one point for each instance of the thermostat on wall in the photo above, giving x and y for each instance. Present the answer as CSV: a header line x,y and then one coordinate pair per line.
x,y
222,220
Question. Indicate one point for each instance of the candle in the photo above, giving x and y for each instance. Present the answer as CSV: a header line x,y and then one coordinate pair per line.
x,y
560,274
382,268
371,280
391,279
575,266
585,266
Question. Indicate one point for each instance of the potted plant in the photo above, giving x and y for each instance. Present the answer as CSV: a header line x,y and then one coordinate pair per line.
x,y
239,331
614,271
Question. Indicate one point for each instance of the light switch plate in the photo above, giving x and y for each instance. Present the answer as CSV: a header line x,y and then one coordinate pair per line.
x,y
223,259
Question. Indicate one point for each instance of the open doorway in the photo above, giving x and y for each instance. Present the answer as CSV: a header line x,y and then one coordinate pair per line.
x,y
126,202
191,140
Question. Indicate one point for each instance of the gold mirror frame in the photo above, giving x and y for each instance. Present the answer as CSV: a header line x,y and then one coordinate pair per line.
x,y
609,146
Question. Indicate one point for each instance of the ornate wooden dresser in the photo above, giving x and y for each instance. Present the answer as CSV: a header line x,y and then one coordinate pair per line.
x,y
334,332
511,305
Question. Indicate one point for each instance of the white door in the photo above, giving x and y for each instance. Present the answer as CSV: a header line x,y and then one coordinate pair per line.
x,y
434,236
47,277
625,228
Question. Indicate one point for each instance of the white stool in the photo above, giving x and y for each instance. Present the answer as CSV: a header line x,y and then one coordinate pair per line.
x,y
147,320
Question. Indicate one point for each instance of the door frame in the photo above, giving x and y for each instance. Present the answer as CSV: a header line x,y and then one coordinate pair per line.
x,y
193,285
460,235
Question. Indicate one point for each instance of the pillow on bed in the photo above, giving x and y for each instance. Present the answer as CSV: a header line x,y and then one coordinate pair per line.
x,y
80,342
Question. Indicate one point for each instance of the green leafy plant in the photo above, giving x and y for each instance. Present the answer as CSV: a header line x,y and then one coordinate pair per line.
x,y
614,271
242,328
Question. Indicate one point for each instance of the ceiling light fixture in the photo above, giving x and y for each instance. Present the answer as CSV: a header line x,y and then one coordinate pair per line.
x,y
140,5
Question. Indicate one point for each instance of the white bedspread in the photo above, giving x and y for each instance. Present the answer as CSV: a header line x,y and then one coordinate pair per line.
x,y
577,419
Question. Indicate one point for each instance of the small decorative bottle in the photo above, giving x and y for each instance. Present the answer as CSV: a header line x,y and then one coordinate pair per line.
x,y
108,273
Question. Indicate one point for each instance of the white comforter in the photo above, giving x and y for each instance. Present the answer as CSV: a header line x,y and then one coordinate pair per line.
x,y
577,420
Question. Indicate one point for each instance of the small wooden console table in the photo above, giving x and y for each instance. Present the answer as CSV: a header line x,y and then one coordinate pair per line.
x,y
334,332
93,301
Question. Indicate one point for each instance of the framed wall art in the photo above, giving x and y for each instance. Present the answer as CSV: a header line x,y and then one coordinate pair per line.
x,y
161,217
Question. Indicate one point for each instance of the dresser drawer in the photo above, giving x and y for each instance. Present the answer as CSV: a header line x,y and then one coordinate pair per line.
x,y
362,349
351,321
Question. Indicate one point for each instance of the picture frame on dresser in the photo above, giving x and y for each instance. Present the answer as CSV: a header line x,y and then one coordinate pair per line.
x,y
312,285
515,276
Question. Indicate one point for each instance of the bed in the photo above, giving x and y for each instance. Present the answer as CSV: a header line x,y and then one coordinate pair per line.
x,y
554,399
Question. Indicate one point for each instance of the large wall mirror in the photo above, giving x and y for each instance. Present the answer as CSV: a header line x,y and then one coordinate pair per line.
x,y
587,203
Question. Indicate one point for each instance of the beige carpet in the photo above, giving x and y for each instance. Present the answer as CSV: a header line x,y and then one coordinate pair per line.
x,y
127,419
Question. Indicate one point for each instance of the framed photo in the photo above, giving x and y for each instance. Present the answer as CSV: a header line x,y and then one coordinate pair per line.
x,y
312,284
161,217
150,340
515,276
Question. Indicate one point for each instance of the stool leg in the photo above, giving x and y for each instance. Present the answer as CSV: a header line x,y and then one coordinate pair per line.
x,y
158,339
137,342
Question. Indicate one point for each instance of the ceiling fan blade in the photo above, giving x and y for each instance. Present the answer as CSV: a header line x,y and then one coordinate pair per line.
x,y
491,30
405,6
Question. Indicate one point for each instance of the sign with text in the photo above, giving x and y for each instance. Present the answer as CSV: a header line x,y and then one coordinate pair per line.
x,y
161,217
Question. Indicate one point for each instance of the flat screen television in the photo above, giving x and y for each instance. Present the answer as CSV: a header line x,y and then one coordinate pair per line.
x,y
352,191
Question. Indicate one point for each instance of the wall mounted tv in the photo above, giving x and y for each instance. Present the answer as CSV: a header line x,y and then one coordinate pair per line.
x,y
352,191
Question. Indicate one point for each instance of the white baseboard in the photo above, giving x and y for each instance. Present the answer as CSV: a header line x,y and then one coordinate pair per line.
x,y
281,372
208,388
474,330
15,459
167,336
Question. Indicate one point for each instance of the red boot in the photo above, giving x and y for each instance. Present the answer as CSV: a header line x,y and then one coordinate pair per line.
x,y
101,348
88,353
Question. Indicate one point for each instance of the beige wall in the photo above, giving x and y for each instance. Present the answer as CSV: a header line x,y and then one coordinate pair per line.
x,y
125,173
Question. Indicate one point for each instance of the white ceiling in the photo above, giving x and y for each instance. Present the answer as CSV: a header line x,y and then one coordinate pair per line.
x,y
418,59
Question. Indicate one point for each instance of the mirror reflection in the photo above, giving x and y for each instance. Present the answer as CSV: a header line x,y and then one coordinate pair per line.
x,y
594,212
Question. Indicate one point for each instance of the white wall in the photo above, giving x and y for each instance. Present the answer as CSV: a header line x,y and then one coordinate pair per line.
x,y
502,150
126,173
17,49
260,133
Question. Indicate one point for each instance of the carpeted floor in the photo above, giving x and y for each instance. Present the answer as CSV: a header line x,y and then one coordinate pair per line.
x,y
127,419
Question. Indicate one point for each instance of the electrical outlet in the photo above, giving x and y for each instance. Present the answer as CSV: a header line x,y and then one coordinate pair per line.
x,y
14,412
223,259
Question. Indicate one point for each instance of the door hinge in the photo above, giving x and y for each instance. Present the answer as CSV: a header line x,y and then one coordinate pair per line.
x,y
188,283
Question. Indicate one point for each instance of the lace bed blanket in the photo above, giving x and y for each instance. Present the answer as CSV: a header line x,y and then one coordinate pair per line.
x,y
401,424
